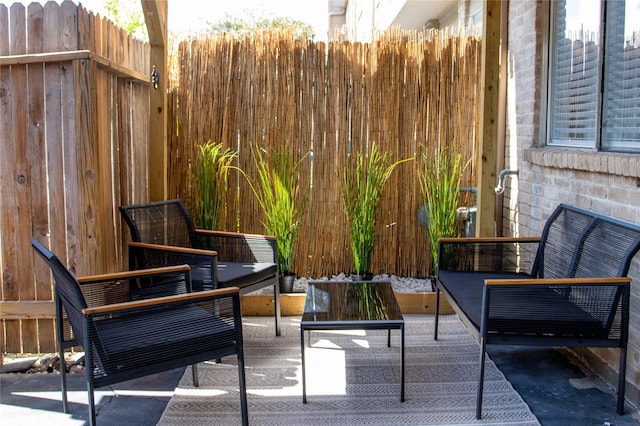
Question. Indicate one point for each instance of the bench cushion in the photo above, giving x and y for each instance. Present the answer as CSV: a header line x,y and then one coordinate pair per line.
x,y
232,274
535,310
237,274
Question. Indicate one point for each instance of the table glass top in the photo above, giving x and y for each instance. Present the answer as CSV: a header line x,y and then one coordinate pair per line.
x,y
350,301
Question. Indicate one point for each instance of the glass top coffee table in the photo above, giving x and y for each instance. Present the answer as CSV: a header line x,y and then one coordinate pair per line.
x,y
351,305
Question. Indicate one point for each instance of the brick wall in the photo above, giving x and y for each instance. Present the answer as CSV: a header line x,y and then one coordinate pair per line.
x,y
602,182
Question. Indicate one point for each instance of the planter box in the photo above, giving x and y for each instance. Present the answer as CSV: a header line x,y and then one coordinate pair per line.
x,y
291,304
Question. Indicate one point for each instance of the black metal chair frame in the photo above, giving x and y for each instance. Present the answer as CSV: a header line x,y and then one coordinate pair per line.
x,y
137,323
576,294
163,234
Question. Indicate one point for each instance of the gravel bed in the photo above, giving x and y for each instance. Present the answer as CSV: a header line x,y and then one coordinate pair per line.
x,y
399,284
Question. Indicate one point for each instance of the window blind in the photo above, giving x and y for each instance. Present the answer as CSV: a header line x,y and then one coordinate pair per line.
x,y
621,97
574,81
595,89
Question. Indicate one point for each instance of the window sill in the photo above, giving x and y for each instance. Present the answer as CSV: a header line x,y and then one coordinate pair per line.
x,y
588,161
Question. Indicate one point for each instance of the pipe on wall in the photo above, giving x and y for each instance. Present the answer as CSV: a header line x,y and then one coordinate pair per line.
x,y
503,174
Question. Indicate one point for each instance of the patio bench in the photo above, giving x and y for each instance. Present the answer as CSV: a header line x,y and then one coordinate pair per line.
x,y
163,234
567,287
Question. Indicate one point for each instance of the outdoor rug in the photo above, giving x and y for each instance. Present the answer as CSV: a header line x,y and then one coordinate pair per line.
x,y
352,378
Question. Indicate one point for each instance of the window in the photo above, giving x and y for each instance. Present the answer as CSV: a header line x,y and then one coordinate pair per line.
x,y
594,78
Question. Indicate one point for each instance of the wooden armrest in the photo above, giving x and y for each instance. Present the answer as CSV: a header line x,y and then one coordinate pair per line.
x,y
132,274
232,234
489,240
558,281
177,249
106,309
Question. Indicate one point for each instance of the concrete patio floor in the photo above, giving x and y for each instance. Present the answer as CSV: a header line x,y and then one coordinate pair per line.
x,y
557,390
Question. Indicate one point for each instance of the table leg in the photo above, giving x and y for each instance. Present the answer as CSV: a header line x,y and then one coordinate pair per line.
x,y
402,363
389,338
304,382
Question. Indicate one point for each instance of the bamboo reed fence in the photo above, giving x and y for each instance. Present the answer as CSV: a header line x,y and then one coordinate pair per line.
x,y
407,92
74,103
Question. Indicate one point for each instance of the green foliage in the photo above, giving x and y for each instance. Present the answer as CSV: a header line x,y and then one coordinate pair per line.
x,y
233,24
364,302
282,201
212,172
363,182
440,178
127,14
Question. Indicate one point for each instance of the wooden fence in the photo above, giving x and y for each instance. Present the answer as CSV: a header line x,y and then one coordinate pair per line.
x,y
74,107
407,92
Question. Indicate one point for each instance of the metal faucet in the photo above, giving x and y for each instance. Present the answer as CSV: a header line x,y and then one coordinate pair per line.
x,y
503,173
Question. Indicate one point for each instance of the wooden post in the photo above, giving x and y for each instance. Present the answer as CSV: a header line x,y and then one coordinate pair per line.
x,y
155,15
489,119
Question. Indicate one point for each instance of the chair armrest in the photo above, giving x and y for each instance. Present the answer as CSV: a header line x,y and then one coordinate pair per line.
x,y
563,282
89,279
204,263
173,249
494,254
238,247
144,256
227,234
499,240
139,284
200,296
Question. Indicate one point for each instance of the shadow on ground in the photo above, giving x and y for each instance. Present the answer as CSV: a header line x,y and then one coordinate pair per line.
x,y
29,399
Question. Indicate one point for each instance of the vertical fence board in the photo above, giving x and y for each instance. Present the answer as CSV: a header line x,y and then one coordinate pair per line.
x,y
55,234
73,31
17,286
7,201
4,29
54,130
106,122
84,72
36,287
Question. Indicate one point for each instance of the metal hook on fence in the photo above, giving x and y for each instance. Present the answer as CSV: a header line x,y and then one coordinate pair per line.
x,y
155,78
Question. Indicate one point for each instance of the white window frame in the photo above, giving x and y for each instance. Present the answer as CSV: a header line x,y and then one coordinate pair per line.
x,y
594,144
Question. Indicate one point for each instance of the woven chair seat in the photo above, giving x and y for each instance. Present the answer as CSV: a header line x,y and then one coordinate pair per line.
x,y
136,336
542,311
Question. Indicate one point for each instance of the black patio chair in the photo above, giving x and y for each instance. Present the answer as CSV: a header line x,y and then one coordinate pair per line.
x,y
163,234
142,322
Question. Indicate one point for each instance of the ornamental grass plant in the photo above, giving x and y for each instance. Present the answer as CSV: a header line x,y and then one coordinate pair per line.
x,y
281,198
440,179
363,183
211,176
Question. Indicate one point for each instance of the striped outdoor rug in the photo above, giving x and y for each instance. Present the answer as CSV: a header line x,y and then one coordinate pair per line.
x,y
352,378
